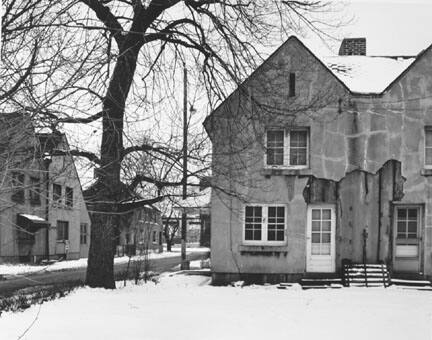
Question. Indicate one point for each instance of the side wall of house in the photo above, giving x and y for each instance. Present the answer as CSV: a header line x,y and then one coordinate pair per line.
x,y
370,148
63,172
238,159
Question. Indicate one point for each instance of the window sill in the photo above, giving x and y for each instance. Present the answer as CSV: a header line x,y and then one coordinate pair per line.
x,y
264,250
426,172
286,171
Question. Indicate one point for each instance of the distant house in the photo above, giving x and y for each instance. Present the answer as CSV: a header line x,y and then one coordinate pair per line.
x,y
140,230
320,161
139,227
43,215
197,208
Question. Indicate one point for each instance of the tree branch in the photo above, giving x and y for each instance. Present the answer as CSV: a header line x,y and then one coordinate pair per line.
x,y
77,153
21,80
109,20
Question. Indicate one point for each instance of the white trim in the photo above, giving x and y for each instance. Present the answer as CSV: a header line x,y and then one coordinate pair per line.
x,y
286,148
264,225
321,263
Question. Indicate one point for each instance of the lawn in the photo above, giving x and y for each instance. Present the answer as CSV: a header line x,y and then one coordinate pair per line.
x,y
187,307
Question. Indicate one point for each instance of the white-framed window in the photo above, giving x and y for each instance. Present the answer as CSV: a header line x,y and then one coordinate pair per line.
x,y
154,237
428,147
264,224
288,148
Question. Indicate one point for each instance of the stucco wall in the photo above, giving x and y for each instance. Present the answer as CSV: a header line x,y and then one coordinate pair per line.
x,y
347,134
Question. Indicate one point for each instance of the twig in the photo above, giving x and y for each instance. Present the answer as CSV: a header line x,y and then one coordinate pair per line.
x,y
31,325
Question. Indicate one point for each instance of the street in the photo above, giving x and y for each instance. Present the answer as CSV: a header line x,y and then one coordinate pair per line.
x,y
77,275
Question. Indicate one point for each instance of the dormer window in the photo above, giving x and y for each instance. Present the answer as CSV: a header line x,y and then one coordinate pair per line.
x,y
287,148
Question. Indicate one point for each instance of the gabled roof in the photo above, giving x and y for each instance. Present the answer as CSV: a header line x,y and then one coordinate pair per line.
x,y
359,75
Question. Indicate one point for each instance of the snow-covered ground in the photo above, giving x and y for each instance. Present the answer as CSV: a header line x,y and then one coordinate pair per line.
x,y
20,269
186,308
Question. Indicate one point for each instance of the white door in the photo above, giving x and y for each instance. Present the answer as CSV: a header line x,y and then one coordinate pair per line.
x,y
407,239
320,239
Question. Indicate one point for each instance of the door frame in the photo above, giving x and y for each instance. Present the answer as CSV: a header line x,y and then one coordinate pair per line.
x,y
308,240
420,236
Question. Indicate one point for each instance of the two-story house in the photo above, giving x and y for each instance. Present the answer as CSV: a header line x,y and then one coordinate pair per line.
x,y
42,214
317,160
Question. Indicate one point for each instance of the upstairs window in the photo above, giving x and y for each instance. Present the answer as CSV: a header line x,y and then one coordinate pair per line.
x,y
275,147
18,187
57,193
35,191
264,224
69,197
428,147
287,148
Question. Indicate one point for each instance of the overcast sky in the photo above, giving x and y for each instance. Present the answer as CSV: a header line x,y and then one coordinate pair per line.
x,y
391,27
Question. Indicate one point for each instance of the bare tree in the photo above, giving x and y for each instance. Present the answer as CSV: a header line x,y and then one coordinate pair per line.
x,y
118,66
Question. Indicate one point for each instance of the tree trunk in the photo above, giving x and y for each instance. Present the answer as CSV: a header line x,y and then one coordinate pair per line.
x,y
100,270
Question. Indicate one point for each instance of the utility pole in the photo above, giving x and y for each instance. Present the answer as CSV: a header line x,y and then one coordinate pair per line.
x,y
184,262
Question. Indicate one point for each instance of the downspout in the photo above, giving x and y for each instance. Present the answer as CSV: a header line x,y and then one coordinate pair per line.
x,y
379,216
47,162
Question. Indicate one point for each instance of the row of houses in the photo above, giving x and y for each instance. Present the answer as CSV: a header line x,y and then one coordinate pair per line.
x,y
321,161
43,211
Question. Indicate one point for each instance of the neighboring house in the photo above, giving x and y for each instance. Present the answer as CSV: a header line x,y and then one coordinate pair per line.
x,y
139,226
140,231
42,215
197,208
320,160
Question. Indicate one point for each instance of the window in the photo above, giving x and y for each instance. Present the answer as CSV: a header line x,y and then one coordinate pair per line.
x,y
62,230
154,238
18,187
287,148
428,147
292,85
35,191
264,224
57,193
275,147
69,197
83,233
407,224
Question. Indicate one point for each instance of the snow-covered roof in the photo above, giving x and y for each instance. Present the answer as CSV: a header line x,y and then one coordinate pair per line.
x,y
367,74
33,218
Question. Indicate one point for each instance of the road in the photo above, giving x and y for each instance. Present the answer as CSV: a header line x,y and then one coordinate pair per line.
x,y
77,275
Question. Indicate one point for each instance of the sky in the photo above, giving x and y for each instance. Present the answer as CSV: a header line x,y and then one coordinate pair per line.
x,y
391,27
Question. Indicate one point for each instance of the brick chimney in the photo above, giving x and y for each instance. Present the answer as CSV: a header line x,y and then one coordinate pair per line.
x,y
353,46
